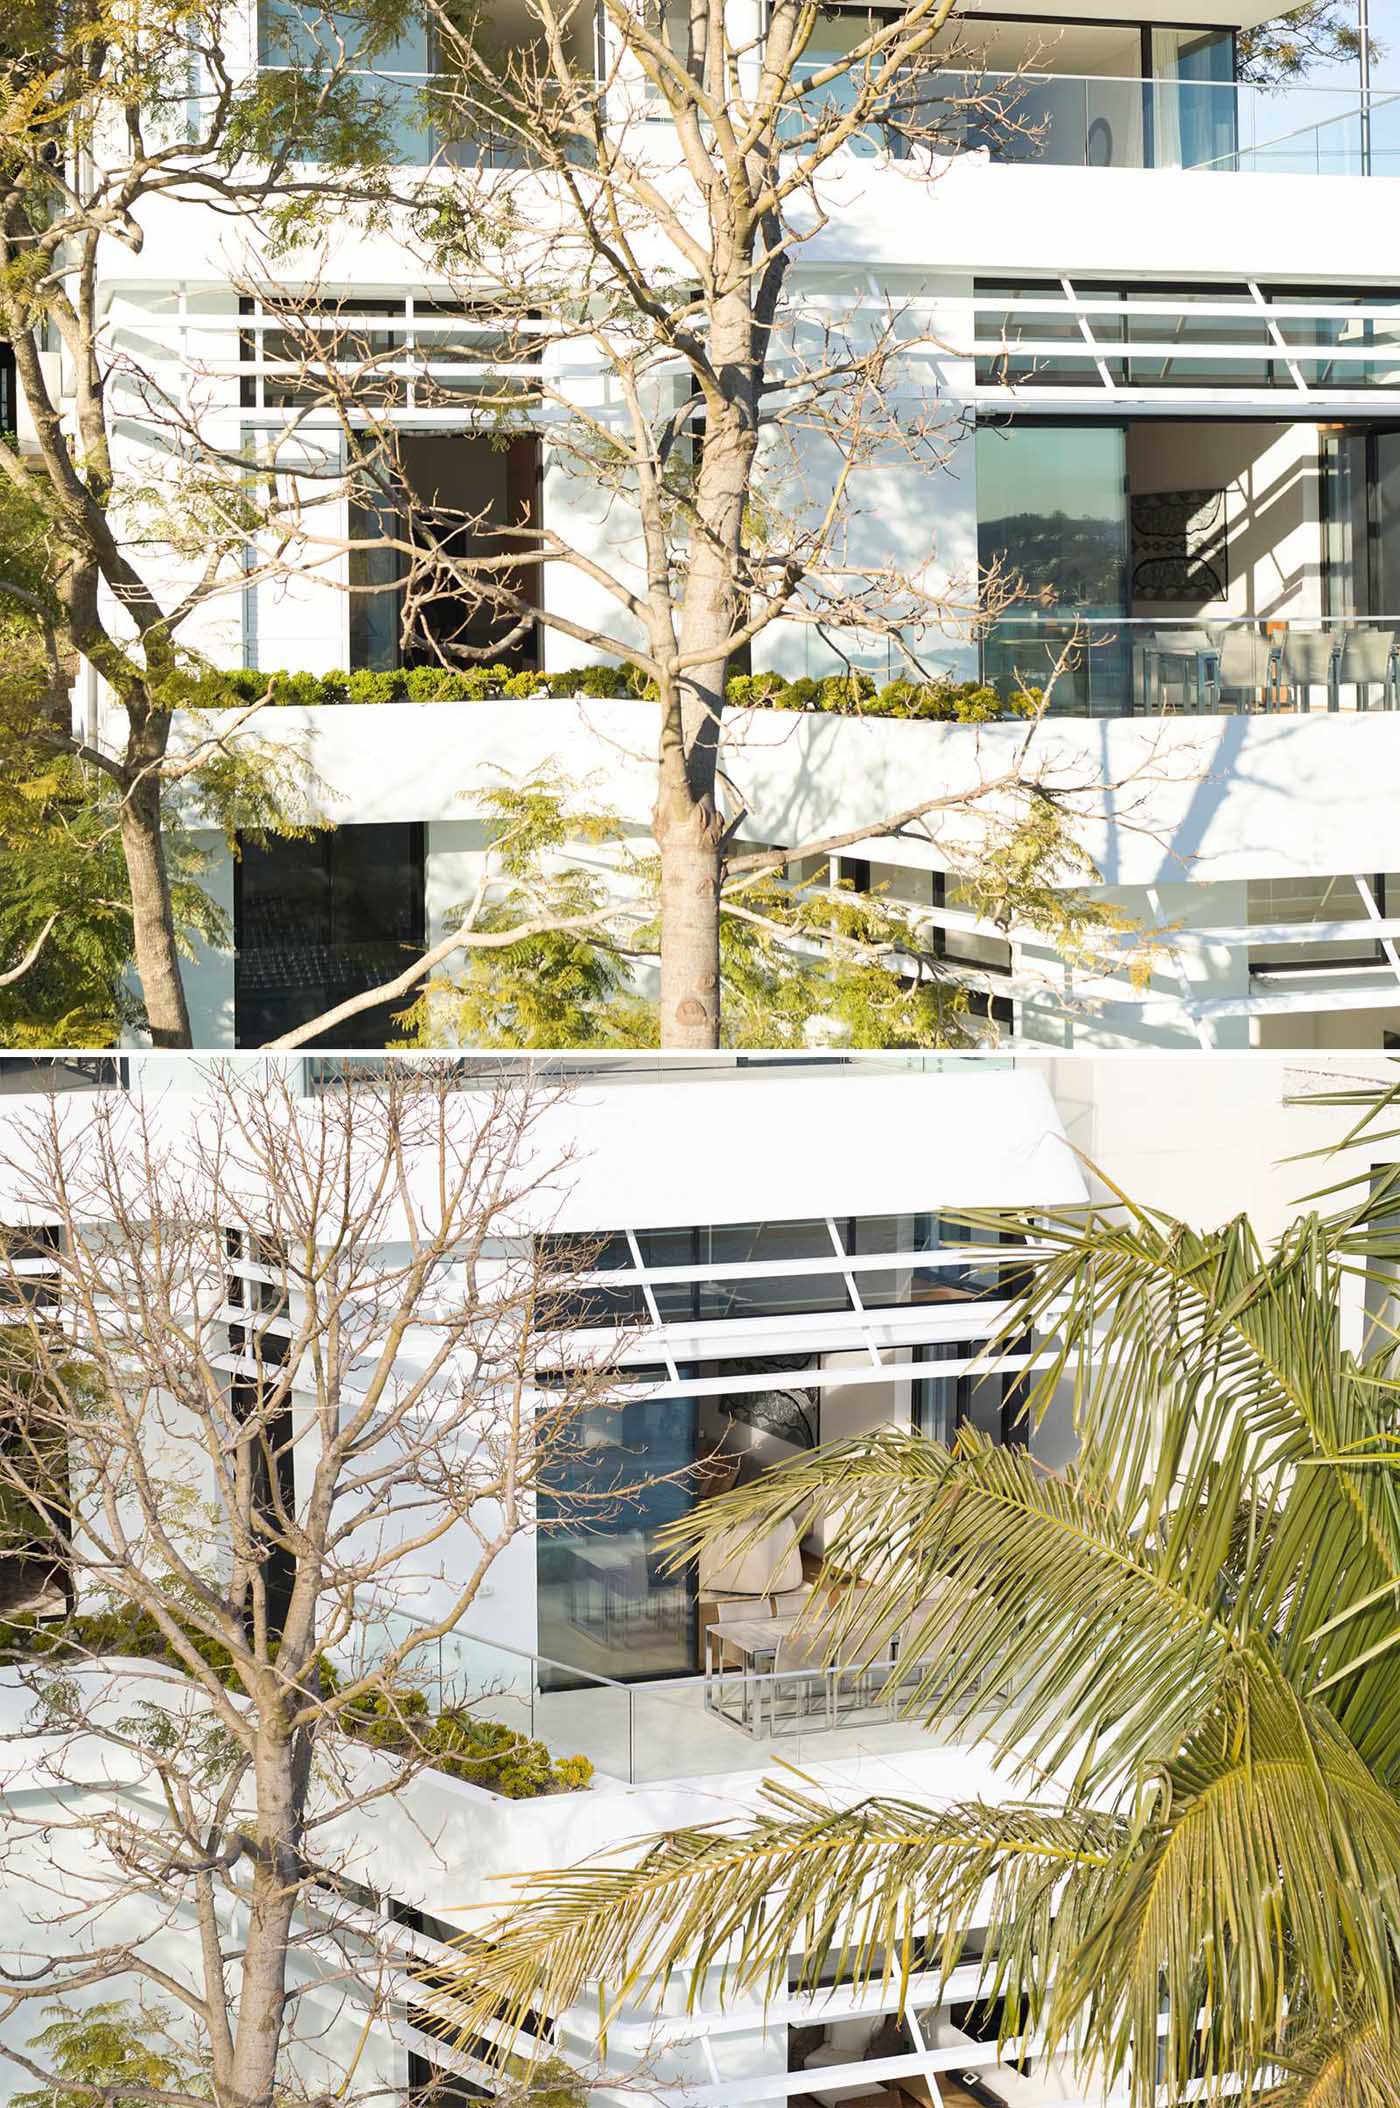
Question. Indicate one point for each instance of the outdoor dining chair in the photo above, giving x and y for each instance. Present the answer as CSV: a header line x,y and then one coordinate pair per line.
x,y
1308,660
1368,661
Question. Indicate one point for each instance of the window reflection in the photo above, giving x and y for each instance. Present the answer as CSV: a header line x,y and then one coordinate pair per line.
x,y
607,1600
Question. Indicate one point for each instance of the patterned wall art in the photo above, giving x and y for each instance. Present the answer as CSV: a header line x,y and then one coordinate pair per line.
x,y
1180,545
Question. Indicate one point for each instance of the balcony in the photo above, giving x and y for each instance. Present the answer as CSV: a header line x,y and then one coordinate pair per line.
x,y
1174,665
727,1722
1114,121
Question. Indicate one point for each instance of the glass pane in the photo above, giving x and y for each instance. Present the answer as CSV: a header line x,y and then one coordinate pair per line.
x,y
1305,900
375,592
1183,328
864,1234
1362,347
933,1400
593,1303
1193,98
1385,510
322,919
981,1402
906,1286
735,1243
606,1601
770,1296
1052,514
1346,570
1052,511
591,1252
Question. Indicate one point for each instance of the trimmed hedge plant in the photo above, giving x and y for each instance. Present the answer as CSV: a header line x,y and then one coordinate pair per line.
x,y
483,1752
854,694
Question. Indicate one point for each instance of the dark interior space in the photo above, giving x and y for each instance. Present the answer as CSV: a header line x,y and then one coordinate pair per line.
x,y
321,919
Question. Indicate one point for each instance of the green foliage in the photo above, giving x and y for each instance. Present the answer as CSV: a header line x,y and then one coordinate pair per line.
x,y
855,695
394,1718
63,866
62,861
34,1500
60,845
454,1741
121,1630
112,2045
833,954
1321,33
557,987
796,953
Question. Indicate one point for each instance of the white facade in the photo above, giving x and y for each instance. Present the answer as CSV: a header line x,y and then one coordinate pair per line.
x,y
887,1143
1209,307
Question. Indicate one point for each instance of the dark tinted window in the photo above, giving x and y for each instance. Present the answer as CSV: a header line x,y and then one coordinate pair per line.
x,y
735,1243
319,920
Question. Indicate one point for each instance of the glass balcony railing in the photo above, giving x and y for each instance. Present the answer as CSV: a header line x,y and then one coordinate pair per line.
x,y
1059,119
1120,667
1111,121
729,1721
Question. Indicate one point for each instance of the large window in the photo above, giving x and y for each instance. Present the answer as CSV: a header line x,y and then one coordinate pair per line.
x,y
1361,507
1052,526
318,920
806,1290
1052,512
392,76
608,1601
473,499
1319,900
62,1072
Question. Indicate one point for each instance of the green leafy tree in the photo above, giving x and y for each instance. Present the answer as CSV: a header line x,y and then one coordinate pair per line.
x,y
103,109
1322,33
1184,1647
112,2045
557,953
66,913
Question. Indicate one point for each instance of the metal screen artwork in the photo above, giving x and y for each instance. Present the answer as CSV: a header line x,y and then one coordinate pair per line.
x,y
1179,545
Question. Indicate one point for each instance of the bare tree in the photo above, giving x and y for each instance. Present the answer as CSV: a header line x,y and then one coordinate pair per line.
x,y
266,1361
622,286
624,236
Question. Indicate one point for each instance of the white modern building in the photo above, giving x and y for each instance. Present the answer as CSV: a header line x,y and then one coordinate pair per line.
x,y
807,1293
1167,348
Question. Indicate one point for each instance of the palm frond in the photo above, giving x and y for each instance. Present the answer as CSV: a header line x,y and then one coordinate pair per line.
x,y
1067,1636
873,1892
1349,2064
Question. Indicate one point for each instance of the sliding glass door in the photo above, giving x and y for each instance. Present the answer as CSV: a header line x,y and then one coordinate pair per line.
x,y
1052,526
609,1602
1361,510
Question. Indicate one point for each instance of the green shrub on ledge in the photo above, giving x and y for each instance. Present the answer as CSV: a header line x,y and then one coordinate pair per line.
x,y
483,1752
849,694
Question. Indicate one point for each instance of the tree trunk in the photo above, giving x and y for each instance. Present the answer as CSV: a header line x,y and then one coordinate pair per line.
x,y
153,917
264,1971
688,831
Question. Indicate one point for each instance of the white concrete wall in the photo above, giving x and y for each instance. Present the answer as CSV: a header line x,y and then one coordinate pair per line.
x,y
1208,799
1273,506
1190,808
